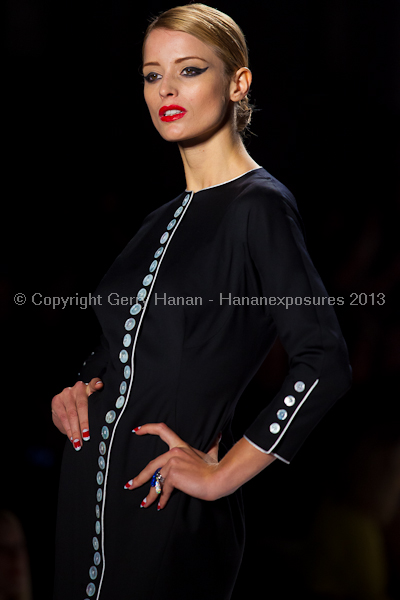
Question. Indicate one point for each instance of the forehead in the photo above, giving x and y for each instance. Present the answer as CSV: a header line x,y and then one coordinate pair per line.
x,y
164,45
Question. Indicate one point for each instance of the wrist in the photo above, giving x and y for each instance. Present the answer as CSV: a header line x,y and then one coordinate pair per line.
x,y
221,481
238,466
213,483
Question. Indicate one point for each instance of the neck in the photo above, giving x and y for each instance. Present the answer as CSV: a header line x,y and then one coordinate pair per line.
x,y
215,160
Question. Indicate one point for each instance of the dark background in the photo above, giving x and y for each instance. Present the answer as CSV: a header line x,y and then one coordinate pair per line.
x,y
82,166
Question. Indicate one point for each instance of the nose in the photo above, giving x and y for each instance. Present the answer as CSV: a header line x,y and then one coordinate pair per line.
x,y
168,87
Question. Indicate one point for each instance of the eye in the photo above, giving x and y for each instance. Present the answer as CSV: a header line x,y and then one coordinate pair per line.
x,y
151,77
192,71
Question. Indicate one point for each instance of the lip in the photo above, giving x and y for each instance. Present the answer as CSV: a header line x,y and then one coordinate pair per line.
x,y
170,118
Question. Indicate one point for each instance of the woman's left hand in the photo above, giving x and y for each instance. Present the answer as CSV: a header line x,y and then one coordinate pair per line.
x,y
182,467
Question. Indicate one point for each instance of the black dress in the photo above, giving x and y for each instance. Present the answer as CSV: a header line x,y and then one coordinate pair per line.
x,y
189,311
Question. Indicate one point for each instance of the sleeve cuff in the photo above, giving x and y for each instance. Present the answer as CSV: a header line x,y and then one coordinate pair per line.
x,y
265,452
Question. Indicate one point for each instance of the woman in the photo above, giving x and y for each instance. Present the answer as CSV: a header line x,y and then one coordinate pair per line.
x,y
208,281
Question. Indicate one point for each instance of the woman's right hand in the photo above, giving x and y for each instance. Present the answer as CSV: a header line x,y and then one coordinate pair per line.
x,y
70,410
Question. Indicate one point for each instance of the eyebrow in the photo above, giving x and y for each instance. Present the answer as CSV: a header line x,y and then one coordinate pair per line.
x,y
178,60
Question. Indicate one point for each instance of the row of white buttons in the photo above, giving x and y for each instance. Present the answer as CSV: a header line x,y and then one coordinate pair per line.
x,y
111,414
282,414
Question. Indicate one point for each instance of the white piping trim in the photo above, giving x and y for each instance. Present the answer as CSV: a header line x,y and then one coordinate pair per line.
x,y
265,452
294,414
129,391
224,182
255,445
280,458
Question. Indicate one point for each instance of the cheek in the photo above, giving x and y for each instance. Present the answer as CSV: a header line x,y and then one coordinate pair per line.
x,y
147,99
151,106
214,111
212,103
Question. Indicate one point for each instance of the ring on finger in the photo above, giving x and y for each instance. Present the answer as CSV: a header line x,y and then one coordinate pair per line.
x,y
157,481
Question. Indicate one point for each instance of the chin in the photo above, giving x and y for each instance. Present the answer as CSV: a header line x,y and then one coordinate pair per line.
x,y
187,138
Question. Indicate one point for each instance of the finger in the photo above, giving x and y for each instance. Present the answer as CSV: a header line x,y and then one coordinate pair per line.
x,y
76,409
165,495
158,493
70,413
151,497
81,402
60,419
59,411
93,386
147,473
163,431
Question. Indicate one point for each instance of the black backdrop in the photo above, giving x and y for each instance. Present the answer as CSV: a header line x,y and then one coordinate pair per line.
x,y
82,164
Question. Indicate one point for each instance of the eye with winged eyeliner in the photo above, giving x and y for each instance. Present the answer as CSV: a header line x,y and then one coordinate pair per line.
x,y
186,72
195,71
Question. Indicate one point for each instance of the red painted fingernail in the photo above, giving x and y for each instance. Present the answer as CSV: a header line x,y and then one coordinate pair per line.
x,y
135,429
128,485
143,503
77,444
86,435
158,506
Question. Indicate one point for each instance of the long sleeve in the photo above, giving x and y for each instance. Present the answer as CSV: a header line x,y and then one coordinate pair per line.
x,y
319,371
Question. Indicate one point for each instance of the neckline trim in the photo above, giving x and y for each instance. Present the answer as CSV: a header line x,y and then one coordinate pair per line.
x,y
224,182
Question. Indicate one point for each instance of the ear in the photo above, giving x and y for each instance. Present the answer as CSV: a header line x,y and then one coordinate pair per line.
x,y
240,84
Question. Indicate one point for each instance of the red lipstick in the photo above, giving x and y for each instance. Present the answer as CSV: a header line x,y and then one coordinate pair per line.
x,y
174,116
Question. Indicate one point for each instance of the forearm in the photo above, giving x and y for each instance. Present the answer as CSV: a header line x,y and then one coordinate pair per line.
x,y
239,465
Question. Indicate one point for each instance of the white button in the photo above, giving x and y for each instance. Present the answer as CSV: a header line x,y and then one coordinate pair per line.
x,y
186,200
110,416
141,295
281,414
98,527
164,237
120,402
158,252
290,400
127,339
178,211
91,590
99,495
99,478
102,448
136,308
127,372
105,432
130,324
102,462
153,266
96,544
147,280
274,428
299,386
171,224
97,559
123,356
92,572
97,511
123,387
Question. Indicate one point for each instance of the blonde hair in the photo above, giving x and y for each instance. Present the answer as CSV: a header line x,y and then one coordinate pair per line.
x,y
218,30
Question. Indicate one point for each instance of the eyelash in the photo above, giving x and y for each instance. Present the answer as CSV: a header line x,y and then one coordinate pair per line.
x,y
196,70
